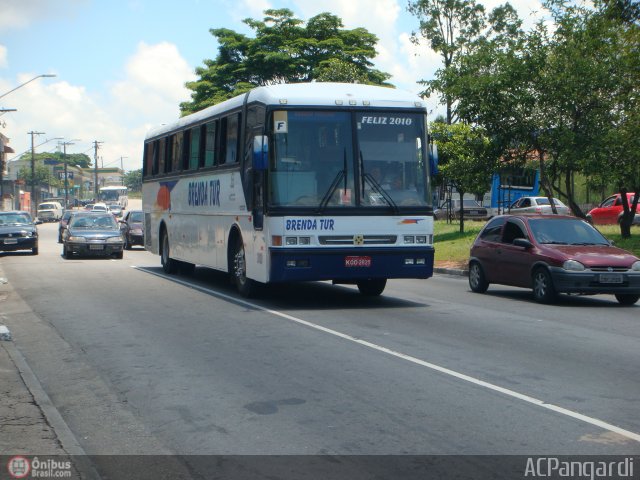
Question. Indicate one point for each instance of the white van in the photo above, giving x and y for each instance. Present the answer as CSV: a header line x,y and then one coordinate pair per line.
x,y
50,211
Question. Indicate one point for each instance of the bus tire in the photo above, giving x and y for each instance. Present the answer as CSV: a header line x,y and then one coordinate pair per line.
x,y
245,286
372,287
168,264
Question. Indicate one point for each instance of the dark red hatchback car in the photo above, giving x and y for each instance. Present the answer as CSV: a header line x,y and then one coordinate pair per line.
x,y
552,254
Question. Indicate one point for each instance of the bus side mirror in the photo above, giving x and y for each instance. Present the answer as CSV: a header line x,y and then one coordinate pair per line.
x,y
260,152
433,158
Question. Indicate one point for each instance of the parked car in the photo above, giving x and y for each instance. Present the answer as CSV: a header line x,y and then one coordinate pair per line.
x,y
132,228
92,234
472,210
552,254
537,206
610,211
18,232
50,211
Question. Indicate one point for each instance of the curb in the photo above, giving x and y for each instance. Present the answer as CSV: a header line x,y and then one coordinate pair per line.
x,y
461,272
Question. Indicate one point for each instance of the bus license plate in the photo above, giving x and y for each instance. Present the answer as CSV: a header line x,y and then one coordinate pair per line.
x,y
357,261
610,278
96,247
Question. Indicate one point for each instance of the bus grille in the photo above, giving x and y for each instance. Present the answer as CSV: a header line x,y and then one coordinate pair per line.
x,y
349,240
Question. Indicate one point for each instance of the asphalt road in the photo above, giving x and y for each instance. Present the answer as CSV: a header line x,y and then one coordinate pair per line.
x,y
141,363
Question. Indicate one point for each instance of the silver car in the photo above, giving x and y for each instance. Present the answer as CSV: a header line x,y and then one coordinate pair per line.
x,y
537,206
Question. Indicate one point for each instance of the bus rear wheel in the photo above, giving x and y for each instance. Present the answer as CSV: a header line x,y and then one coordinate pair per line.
x,y
372,287
245,286
168,264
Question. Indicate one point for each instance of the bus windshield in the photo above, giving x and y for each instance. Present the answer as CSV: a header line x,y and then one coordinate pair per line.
x,y
316,164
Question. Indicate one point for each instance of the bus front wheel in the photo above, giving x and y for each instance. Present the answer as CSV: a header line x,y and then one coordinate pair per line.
x,y
372,287
168,265
245,285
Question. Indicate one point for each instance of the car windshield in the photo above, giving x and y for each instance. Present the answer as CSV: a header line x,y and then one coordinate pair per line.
x,y
47,206
15,219
136,217
565,231
94,222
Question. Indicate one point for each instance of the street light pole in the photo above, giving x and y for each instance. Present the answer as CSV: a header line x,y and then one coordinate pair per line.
x,y
33,173
28,81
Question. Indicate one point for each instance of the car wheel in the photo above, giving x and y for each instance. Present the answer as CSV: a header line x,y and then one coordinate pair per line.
x,y
65,252
372,287
120,255
543,290
477,281
627,298
168,265
34,250
245,285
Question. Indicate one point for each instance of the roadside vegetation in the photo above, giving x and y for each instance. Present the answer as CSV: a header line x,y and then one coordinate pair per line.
x,y
452,246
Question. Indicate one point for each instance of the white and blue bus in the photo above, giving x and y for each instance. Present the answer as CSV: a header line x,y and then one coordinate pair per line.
x,y
114,194
294,182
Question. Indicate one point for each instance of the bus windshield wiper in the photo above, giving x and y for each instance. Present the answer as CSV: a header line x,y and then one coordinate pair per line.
x,y
367,177
332,188
342,174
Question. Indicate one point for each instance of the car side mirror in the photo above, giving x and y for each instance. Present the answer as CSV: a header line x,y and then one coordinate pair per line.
x,y
523,242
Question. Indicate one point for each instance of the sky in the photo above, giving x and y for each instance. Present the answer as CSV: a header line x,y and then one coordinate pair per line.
x,y
120,66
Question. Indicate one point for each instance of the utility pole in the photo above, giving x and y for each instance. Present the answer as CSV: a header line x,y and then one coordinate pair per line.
x,y
33,173
122,169
96,145
66,174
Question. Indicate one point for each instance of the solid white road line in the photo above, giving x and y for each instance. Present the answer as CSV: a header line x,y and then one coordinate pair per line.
x,y
461,376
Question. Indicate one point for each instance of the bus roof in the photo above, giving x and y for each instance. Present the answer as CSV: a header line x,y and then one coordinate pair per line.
x,y
114,187
346,95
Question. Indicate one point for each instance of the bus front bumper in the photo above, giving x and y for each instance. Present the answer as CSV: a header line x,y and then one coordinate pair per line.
x,y
345,265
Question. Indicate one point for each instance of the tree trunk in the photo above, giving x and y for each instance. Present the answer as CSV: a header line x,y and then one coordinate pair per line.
x,y
461,212
544,183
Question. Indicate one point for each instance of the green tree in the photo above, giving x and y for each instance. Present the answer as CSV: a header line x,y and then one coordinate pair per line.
x,y
80,160
451,28
133,180
466,158
284,49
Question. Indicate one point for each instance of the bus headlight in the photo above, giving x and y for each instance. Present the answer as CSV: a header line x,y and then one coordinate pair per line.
x,y
291,240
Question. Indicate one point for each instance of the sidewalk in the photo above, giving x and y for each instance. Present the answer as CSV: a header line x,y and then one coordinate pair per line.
x,y
24,429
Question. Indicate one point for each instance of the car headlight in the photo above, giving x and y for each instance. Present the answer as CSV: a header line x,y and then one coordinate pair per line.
x,y
636,266
77,239
573,266
114,240
137,231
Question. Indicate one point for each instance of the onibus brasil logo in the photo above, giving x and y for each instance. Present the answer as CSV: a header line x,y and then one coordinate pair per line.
x,y
19,467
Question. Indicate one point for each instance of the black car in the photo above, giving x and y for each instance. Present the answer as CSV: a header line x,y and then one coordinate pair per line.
x,y
18,232
132,228
64,221
92,234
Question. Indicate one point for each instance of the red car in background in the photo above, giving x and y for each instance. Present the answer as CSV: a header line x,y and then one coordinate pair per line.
x,y
550,255
610,211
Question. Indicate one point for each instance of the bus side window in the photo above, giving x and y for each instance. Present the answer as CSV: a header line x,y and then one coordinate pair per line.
x,y
209,137
231,137
162,144
194,149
